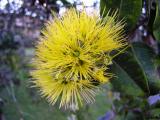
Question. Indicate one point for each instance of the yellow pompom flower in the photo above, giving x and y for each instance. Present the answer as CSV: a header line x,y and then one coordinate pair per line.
x,y
72,56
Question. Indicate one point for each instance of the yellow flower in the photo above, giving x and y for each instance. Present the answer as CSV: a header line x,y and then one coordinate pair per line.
x,y
72,56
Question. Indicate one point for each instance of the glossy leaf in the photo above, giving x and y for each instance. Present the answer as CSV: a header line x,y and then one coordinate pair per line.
x,y
146,58
123,82
136,66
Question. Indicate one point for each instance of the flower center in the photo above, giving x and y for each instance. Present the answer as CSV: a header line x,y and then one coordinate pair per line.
x,y
76,53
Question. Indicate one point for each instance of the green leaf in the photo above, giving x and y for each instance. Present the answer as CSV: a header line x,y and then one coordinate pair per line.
x,y
135,68
155,114
146,58
124,83
128,63
156,26
128,9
